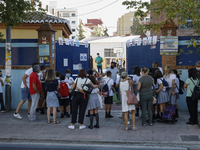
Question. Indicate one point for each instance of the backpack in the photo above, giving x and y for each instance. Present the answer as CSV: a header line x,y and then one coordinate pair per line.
x,y
165,85
105,90
181,88
169,114
87,88
64,90
196,92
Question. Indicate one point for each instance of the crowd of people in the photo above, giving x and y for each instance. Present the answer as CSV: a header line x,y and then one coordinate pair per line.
x,y
60,92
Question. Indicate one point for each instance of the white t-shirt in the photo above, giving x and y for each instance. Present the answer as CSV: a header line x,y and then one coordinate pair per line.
x,y
177,85
69,80
81,81
118,79
170,78
58,80
1,90
40,75
28,72
161,70
159,81
94,91
120,62
109,82
136,78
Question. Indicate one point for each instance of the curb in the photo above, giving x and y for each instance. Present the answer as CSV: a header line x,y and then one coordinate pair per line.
x,y
195,144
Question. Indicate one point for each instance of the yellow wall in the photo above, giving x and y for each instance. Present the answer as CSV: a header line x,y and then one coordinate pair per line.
x,y
27,34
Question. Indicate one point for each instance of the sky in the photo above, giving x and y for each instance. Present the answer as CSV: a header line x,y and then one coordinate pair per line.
x,y
108,15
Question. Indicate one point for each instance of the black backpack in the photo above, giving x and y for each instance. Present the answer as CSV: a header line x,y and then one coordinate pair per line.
x,y
105,90
181,88
196,92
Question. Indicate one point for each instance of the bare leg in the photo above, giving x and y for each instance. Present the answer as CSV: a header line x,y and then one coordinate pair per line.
x,y
109,107
54,113
67,109
96,111
43,104
61,109
29,105
133,118
19,106
126,119
48,112
106,107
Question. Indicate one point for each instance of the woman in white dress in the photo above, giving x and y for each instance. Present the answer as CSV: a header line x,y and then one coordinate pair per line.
x,y
125,85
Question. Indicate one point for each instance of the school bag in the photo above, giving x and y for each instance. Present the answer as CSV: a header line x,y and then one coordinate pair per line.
x,y
196,92
181,88
165,85
169,114
64,90
105,90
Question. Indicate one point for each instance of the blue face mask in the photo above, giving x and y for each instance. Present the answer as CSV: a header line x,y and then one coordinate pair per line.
x,y
68,75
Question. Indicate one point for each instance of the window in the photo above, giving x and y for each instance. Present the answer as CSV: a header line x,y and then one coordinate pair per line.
x,y
147,19
73,37
187,25
131,19
107,62
109,53
73,15
73,30
65,14
73,22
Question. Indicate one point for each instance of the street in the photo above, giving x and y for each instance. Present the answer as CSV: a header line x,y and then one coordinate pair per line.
x,y
13,146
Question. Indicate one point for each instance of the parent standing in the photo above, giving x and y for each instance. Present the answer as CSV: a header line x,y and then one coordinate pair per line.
x,y
80,99
52,86
35,91
146,95
99,61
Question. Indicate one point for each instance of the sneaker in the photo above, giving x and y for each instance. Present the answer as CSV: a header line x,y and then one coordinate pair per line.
x,y
4,110
82,127
110,116
71,127
17,116
67,115
28,115
62,115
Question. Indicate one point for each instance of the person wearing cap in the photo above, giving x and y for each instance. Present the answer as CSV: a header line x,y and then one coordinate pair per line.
x,y
99,61
125,85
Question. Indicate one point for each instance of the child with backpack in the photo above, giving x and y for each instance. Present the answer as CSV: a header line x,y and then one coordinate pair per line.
x,y
162,93
107,92
174,71
64,92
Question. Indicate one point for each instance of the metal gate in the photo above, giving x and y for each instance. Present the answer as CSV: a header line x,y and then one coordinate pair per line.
x,y
73,58
142,56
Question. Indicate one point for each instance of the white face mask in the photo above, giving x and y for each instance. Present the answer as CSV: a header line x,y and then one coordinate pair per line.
x,y
198,68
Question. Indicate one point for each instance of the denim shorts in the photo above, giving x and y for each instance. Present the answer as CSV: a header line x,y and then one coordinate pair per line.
x,y
25,94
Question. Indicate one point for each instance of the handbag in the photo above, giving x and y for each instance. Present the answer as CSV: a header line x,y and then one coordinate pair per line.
x,y
58,95
87,88
154,100
196,92
131,98
138,96
100,100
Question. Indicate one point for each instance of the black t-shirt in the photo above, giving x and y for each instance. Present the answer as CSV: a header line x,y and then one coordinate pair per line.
x,y
51,86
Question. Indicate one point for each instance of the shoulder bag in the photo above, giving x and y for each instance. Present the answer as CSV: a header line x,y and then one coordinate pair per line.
x,y
196,92
57,94
131,98
87,88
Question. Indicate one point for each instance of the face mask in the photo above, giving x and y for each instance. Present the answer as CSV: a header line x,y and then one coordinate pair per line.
x,y
198,68
44,71
97,55
112,67
68,75
140,73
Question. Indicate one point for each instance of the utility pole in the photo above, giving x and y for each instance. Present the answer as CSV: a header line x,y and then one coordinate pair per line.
x,y
8,65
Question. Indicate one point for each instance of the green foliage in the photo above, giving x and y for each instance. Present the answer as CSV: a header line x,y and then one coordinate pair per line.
x,y
80,32
136,27
14,12
105,32
177,10
97,31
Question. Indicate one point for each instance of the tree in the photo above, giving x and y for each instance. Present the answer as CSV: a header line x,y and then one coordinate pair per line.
x,y
177,10
105,32
80,32
136,26
14,12
97,31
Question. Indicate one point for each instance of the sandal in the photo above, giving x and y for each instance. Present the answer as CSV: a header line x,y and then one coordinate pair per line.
x,y
49,121
142,124
56,122
126,129
150,124
135,129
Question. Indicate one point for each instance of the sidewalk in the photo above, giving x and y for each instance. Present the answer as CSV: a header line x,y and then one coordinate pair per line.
x,y
111,131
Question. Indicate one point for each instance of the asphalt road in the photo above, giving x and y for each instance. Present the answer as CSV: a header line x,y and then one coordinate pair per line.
x,y
10,146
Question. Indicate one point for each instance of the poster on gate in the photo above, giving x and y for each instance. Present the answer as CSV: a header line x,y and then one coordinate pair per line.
x,y
139,42
144,41
71,42
60,40
128,43
86,44
149,40
66,41
153,44
133,42
77,43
